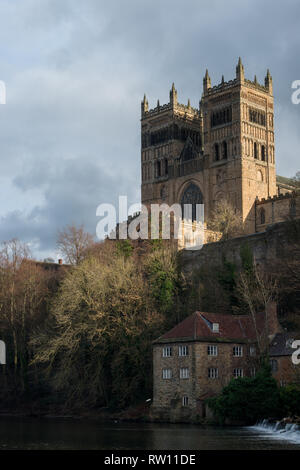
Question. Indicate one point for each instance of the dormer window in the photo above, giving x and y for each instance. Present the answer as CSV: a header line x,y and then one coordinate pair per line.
x,y
215,327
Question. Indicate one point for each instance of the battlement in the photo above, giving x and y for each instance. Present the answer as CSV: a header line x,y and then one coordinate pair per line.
x,y
240,79
173,106
278,197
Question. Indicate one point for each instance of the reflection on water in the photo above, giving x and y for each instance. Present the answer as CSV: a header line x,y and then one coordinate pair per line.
x,y
27,433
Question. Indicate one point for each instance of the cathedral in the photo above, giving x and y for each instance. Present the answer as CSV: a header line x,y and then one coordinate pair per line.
x,y
224,149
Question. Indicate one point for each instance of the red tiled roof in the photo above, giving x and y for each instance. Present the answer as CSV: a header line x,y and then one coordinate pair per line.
x,y
199,326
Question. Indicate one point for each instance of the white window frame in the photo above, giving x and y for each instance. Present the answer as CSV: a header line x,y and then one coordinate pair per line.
x,y
212,350
184,373
183,351
167,351
167,374
237,351
215,327
213,373
185,400
238,372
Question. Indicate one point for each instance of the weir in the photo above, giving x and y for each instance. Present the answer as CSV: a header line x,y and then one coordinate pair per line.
x,y
279,430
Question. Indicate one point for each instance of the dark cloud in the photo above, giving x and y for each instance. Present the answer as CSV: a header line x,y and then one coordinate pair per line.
x,y
75,74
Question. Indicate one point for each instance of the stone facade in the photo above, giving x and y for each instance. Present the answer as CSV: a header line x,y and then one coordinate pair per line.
x,y
224,149
199,356
277,209
281,350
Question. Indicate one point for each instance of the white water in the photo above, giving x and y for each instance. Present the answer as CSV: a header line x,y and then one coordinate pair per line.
x,y
289,431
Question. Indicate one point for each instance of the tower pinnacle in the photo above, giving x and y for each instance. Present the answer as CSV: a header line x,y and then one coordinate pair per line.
x,y
206,82
240,74
269,82
173,95
144,105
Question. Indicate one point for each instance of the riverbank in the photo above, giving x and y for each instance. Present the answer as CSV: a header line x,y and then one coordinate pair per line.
x,y
138,413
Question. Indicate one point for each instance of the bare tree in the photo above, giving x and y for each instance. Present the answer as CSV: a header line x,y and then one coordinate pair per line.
x,y
257,289
226,220
23,289
296,178
73,243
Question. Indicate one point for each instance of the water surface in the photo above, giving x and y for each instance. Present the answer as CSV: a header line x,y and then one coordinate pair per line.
x,y
33,433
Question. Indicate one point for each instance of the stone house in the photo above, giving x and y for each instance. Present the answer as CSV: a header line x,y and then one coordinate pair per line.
x,y
280,352
200,355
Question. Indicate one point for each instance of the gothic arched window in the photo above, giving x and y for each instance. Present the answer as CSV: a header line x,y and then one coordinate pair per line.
x,y
193,196
158,169
224,150
217,155
255,150
166,166
262,216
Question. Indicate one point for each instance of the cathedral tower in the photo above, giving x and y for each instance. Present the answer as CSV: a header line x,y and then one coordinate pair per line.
x,y
171,148
239,142
222,150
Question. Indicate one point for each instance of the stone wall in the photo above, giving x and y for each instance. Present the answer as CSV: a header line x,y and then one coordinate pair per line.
x,y
277,209
265,246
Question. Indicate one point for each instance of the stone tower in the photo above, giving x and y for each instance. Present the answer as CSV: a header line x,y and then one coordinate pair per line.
x,y
239,142
223,150
171,149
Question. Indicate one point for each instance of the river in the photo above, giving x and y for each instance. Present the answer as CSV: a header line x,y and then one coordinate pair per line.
x,y
33,433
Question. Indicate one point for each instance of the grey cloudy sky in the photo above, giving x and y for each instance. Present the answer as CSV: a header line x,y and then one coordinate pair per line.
x,y
75,72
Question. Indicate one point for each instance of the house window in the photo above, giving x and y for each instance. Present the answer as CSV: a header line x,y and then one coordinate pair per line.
x,y
238,351
184,373
274,365
252,351
185,400
213,373
183,350
167,351
212,350
167,373
237,373
216,327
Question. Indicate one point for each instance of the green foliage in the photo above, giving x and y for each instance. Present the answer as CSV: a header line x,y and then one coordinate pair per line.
x,y
248,399
105,317
227,279
246,258
290,400
163,275
124,248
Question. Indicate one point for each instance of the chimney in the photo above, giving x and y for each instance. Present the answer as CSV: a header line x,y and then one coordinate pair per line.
x,y
272,318
60,261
